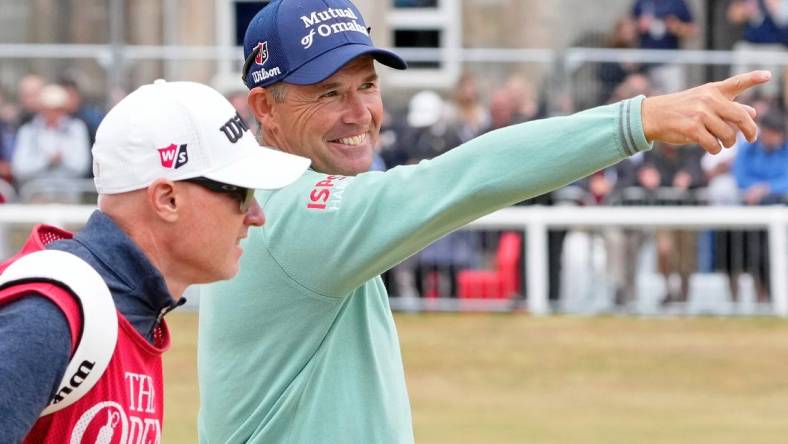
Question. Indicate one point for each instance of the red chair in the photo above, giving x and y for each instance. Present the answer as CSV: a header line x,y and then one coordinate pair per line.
x,y
503,281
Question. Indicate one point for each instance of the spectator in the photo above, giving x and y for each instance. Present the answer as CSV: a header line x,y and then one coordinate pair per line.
x,y
76,106
579,289
7,137
466,111
761,168
390,149
53,144
725,250
763,32
29,90
663,24
116,94
673,168
669,168
503,110
633,85
717,169
612,74
522,93
761,171
430,133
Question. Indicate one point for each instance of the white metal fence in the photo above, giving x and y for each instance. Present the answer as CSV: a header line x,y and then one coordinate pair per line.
x,y
535,222
558,72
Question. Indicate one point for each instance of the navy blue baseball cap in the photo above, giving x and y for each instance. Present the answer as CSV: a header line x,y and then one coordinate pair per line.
x,y
306,41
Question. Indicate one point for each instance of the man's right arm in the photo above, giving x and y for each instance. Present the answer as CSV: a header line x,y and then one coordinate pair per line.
x,y
331,234
35,342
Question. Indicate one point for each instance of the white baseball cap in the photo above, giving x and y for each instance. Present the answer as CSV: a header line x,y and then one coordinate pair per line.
x,y
182,130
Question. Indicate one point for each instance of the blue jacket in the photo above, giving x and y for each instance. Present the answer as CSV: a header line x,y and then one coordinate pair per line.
x,y
754,165
766,31
35,338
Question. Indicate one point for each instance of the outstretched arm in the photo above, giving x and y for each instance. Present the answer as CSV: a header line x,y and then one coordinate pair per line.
x,y
375,220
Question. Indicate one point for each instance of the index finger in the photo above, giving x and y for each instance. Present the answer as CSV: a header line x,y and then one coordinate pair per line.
x,y
733,86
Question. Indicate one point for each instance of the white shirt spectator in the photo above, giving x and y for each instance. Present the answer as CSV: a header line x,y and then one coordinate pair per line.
x,y
52,146
44,151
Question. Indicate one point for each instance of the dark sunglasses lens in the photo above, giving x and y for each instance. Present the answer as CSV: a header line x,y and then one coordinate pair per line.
x,y
248,62
246,201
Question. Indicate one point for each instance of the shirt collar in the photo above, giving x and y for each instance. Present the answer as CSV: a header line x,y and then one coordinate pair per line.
x,y
121,256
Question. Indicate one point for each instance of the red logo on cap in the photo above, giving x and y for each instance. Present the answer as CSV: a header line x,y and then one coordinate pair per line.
x,y
262,53
173,156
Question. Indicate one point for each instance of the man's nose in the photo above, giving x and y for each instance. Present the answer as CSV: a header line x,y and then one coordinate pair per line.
x,y
255,215
356,110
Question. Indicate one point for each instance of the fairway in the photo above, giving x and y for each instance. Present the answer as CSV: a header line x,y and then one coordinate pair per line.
x,y
482,379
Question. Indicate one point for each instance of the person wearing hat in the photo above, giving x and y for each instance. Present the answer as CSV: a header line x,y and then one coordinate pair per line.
x,y
81,315
53,145
761,168
308,352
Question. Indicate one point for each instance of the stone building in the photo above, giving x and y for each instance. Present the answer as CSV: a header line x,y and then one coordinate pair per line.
x,y
141,26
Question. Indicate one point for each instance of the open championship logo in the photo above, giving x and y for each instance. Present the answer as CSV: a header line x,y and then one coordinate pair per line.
x,y
108,422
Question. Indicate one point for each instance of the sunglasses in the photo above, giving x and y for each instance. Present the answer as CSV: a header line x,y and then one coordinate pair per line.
x,y
248,63
244,196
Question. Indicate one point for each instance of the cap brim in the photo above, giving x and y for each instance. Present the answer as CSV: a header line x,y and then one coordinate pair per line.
x,y
326,64
261,168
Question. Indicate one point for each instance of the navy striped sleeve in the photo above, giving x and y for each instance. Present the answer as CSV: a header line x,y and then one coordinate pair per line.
x,y
35,343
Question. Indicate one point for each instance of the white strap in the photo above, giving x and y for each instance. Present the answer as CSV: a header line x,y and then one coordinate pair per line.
x,y
99,318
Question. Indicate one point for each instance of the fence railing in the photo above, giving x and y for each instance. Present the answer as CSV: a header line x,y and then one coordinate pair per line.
x,y
535,222
558,66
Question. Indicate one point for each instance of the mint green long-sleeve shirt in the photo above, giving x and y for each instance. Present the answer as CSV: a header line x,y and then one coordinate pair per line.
x,y
301,346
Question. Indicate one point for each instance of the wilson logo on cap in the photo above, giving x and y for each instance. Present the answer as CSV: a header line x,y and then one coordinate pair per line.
x,y
173,156
262,53
234,128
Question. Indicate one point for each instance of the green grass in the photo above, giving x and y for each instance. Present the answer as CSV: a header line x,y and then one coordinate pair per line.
x,y
479,378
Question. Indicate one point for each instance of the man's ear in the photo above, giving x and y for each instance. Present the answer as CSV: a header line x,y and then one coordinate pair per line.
x,y
165,199
261,103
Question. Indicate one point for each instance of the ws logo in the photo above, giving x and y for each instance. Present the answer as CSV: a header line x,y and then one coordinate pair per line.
x,y
173,156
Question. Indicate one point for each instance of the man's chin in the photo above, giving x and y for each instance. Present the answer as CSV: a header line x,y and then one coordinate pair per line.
x,y
346,167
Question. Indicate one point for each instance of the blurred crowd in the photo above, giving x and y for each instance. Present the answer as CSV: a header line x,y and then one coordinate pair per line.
x,y
47,127
748,174
45,140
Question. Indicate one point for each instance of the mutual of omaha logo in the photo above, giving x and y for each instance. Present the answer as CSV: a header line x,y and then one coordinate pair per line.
x,y
173,156
262,53
328,22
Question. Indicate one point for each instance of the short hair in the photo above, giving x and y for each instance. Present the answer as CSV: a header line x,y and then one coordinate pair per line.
x,y
278,91
774,120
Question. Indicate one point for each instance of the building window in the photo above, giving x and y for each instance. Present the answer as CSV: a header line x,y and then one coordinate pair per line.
x,y
419,38
415,3
232,18
431,25
244,12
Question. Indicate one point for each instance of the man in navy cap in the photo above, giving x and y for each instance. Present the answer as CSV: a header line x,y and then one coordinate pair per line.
x,y
308,351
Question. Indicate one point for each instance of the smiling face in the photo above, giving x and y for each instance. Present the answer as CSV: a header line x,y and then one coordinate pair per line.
x,y
335,122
